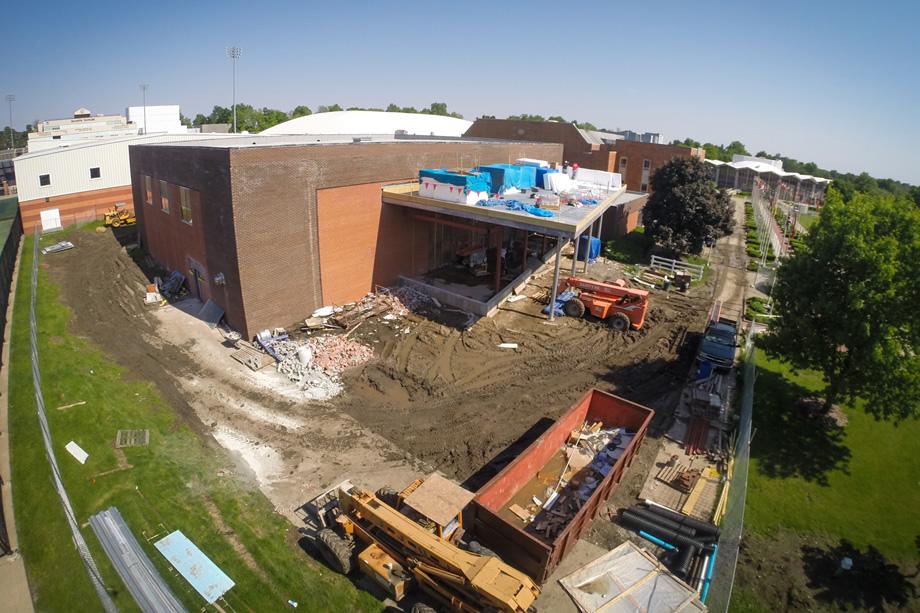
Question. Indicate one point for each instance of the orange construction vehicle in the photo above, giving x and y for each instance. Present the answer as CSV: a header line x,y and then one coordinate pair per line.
x,y
620,306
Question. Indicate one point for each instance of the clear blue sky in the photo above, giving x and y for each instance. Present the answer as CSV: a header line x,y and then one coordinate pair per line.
x,y
837,83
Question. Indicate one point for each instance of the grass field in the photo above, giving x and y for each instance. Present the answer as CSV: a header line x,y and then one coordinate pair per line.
x,y
812,488
178,482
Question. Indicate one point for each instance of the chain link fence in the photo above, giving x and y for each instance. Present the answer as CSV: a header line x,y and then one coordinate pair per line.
x,y
723,575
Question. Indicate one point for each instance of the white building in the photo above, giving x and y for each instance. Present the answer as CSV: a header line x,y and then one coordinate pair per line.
x,y
65,185
372,122
744,170
159,118
81,127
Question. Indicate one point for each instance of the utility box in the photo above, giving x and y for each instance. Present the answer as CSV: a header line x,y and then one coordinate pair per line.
x,y
496,517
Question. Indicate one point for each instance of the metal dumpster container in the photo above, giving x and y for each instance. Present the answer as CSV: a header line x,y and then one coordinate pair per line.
x,y
530,552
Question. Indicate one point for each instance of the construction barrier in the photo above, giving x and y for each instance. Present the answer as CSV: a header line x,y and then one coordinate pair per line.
x,y
696,270
7,265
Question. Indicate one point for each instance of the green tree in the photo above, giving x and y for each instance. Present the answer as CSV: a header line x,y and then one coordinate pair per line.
x,y
585,126
185,121
199,120
526,117
847,303
557,118
328,109
301,111
270,117
220,114
686,209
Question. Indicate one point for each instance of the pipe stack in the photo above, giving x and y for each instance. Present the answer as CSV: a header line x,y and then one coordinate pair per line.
x,y
690,543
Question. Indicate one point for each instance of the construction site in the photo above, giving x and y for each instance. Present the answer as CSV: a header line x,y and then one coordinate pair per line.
x,y
399,387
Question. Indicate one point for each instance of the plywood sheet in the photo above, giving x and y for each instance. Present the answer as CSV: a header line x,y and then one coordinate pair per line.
x,y
438,499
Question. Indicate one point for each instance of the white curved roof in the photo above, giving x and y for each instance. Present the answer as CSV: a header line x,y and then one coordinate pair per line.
x,y
372,122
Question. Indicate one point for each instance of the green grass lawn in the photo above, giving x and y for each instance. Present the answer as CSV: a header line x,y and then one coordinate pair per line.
x,y
178,482
807,219
630,249
808,484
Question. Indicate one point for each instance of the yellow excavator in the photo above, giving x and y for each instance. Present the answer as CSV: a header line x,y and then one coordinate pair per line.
x,y
117,217
413,539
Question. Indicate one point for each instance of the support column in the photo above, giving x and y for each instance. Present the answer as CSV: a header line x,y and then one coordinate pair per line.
x,y
588,254
499,237
524,252
552,297
575,252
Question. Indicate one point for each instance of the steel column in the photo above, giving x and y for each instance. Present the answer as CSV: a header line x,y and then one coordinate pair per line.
x,y
552,298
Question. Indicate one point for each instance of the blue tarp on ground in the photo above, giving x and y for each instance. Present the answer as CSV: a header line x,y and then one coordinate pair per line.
x,y
197,568
474,182
505,176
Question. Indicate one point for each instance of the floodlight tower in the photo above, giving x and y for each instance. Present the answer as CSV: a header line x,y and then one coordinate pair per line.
x,y
10,98
144,87
234,54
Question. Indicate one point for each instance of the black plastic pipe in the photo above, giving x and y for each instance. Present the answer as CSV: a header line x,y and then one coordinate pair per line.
x,y
701,527
684,559
665,534
661,521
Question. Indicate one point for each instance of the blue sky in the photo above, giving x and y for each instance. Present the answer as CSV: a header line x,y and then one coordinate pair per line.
x,y
832,82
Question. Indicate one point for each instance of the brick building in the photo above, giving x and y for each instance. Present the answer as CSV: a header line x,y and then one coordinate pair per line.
x,y
271,228
635,160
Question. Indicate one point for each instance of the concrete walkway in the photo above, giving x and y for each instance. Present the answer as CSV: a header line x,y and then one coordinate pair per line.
x,y
14,586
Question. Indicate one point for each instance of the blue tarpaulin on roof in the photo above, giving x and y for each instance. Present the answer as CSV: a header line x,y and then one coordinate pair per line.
x,y
505,176
474,182
541,172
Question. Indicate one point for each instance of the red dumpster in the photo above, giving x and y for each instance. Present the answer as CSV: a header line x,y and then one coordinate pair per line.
x,y
537,546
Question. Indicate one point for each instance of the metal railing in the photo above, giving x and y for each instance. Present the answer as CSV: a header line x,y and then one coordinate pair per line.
x,y
95,578
677,266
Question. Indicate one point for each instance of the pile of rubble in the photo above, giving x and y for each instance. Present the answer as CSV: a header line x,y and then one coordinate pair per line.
x,y
337,353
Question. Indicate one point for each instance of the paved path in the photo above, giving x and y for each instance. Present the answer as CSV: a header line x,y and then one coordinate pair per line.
x,y
14,586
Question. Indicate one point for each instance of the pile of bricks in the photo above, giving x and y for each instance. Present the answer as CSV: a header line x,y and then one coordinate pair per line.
x,y
337,353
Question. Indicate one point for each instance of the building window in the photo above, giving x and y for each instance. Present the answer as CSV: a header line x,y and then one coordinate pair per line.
x,y
185,204
646,164
148,190
643,187
623,163
95,173
44,180
56,137
164,196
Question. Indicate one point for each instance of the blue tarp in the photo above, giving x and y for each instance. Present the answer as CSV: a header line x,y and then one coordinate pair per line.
x,y
561,299
474,182
540,173
505,176
514,205
583,249
197,568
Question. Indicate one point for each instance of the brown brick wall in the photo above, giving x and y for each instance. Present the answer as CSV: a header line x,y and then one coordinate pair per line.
x,y
74,208
575,148
635,152
208,243
261,218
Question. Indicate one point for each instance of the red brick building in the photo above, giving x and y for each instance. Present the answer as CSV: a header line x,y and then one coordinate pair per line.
x,y
636,161
271,228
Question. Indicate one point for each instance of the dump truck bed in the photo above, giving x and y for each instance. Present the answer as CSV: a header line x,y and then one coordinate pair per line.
x,y
495,511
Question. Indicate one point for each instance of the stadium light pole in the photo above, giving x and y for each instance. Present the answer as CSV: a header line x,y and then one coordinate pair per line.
x,y
144,87
234,54
9,100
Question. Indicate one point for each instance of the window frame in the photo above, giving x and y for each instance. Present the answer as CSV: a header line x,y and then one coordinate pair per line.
x,y
164,196
646,164
148,189
98,170
185,205
624,164
43,178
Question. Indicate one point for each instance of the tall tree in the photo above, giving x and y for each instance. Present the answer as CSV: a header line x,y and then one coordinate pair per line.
x,y
301,111
328,108
847,303
686,209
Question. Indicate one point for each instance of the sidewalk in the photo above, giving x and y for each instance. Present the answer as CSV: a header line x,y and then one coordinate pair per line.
x,y
13,583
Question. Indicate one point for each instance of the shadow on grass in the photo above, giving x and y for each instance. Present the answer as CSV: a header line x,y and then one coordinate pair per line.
x,y
788,443
873,583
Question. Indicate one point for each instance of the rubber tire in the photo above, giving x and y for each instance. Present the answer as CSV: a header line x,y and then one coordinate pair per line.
x,y
337,552
574,308
618,322
421,607
116,223
476,547
388,496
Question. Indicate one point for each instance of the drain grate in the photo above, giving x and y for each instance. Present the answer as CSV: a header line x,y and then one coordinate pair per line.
x,y
132,438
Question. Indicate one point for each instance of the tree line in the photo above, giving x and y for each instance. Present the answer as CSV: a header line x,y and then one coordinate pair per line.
x,y
253,119
847,183
587,125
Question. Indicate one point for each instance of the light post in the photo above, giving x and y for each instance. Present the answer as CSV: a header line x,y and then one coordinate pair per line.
x,y
9,99
144,87
234,54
